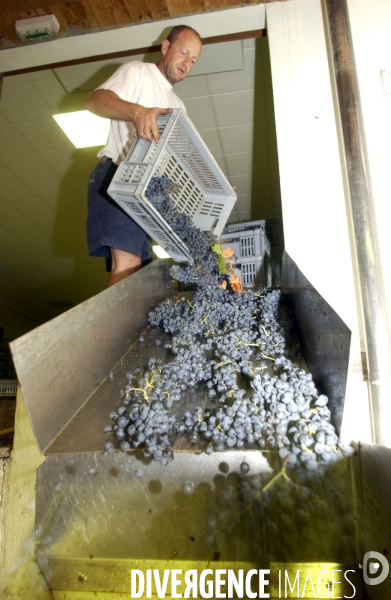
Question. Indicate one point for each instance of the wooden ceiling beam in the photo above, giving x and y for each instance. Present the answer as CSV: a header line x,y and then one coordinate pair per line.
x,y
12,6
178,7
80,48
211,40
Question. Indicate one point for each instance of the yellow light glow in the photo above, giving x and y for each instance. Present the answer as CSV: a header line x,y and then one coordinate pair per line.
x,y
83,128
160,253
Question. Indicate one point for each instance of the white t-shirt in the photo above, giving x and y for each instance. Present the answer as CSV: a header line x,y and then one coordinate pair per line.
x,y
141,83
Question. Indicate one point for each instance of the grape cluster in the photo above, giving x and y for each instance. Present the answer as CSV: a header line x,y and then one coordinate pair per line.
x,y
160,192
289,516
145,421
233,347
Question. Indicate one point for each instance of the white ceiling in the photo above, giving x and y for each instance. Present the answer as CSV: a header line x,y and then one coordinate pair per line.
x,y
215,58
43,251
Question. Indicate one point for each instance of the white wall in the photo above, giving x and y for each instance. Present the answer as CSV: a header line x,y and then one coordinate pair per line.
x,y
314,211
312,188
370,22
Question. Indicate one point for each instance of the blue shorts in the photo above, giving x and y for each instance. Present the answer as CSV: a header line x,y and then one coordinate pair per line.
x,y
108,226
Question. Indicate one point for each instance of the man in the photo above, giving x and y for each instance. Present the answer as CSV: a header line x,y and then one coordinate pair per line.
x,y
132,98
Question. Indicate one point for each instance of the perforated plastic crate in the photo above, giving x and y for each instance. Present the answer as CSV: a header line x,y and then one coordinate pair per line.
x,y
245,243
254,271
248,239
252,268
250,233
203,193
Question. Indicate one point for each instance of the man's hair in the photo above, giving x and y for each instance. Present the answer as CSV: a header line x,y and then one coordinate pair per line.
x,y
175,31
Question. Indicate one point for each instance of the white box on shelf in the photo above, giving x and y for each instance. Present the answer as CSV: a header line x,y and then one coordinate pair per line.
x,y
37,28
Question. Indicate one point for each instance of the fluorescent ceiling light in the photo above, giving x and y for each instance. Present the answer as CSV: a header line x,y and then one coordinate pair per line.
x,y
83,128
160,253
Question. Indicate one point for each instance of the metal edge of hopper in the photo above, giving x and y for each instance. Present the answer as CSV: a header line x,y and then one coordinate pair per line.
x,y
60,363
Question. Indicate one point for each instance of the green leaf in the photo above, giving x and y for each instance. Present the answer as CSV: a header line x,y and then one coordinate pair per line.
x,y
218,248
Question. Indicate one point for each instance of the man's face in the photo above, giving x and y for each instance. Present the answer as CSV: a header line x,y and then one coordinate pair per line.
x,y
179,57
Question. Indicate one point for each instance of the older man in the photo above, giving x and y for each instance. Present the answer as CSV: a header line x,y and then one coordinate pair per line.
x,y
132,98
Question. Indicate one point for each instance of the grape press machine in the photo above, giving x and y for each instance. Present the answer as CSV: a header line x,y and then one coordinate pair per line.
x,y
96,522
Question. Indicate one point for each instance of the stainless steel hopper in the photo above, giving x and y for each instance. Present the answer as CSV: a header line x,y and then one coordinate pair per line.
x,y
96,522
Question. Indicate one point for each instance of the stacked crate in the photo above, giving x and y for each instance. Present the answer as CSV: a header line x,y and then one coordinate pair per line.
x,y
257,249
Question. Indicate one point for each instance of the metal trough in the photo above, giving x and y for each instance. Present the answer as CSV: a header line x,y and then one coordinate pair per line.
x,y
96,521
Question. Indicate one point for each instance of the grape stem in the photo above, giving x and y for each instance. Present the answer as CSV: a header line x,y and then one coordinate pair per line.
x,y
149,384
245,343
281,473
140,390
265,356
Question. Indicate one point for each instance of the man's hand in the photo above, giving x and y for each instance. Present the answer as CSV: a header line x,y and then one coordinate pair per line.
x,y
146,122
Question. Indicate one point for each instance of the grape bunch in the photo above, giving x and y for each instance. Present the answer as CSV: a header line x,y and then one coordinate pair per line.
x,y
232,347
290,516
160,192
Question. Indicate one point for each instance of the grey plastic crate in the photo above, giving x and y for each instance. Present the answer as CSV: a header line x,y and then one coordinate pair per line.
x,y
245,243
253,269
252,232
203,193
248,239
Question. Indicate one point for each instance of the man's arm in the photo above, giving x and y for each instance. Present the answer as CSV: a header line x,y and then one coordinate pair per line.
x,y
107,104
